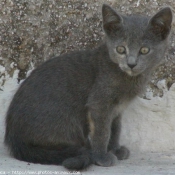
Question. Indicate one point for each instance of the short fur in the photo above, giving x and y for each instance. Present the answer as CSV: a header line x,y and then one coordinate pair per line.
x,y
68,111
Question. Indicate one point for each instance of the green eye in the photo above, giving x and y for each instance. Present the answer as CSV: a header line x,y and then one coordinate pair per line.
x,y
121,49
144,50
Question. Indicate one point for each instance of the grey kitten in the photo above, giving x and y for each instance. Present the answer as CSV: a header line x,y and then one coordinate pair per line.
x,y
68,111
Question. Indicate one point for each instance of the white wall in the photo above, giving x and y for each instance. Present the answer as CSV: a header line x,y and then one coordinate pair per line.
x,y
149,125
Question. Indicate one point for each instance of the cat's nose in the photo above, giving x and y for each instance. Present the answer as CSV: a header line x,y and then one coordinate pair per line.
x,y
131,61
132,65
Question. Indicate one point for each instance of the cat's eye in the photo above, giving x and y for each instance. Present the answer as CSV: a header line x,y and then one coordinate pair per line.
x,y
144,50
121,49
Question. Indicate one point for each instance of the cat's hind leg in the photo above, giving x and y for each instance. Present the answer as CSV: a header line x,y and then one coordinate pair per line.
x,y
71,156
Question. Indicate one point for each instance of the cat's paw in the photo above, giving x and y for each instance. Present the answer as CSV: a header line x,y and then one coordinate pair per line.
x,y
122,153
105,160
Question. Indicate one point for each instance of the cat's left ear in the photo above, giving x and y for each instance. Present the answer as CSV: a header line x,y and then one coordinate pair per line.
x,y
160,23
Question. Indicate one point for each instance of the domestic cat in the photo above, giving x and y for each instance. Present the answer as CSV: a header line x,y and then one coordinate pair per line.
x,y
68,111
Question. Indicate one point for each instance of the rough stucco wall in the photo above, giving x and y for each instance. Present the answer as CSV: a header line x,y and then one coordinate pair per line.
x,y
33,31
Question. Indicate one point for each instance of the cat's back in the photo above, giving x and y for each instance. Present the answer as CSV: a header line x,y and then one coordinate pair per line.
x,y
74,67
68,77
72,63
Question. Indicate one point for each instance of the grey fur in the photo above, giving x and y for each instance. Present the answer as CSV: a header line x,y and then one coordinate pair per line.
x,y
68,111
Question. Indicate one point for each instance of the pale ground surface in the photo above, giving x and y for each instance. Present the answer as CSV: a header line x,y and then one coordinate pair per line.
x,y
148,128
142,164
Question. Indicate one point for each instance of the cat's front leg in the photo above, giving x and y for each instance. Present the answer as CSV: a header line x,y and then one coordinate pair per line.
x,y
100,130
120,151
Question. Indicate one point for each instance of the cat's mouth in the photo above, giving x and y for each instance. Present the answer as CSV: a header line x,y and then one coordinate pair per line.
x,y
129,71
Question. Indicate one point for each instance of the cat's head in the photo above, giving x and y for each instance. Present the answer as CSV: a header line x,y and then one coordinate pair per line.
x,y
136,43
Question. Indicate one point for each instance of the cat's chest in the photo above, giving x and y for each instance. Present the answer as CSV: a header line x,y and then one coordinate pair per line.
x,y
124,96
120,107
127,94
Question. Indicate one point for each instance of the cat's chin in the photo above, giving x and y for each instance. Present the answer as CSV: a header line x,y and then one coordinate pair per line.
x,y
131,73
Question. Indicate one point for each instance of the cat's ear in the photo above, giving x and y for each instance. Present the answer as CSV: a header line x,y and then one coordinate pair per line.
x,y
160,23
111,20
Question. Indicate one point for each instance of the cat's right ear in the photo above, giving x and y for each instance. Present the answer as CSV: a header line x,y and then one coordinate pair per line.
x,y
111,20
160,23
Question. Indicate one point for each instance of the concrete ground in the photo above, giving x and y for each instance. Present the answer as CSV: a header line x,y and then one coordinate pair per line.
x,y
137,164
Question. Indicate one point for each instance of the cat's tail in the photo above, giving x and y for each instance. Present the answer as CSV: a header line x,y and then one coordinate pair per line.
x,y
71,157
